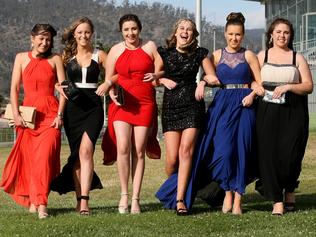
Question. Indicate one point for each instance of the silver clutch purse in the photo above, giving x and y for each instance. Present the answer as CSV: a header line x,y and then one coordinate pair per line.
x,y
268,98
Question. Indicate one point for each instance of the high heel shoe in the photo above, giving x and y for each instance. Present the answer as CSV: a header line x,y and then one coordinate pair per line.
x,y
133,209
42,212
278,209
182,211
122,208
84,212
289,202
32,208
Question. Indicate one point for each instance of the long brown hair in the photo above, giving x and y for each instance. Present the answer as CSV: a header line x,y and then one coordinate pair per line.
x,y
171,41
43,29
277,21
69,41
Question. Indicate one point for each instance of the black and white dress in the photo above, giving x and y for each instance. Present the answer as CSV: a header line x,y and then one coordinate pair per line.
x,y
83,115
282,132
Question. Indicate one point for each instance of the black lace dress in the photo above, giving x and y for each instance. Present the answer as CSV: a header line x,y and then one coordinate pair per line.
x,y
180,109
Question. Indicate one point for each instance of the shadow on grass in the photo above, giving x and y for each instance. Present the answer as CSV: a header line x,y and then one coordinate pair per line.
x,y
251,202
303,202
147,207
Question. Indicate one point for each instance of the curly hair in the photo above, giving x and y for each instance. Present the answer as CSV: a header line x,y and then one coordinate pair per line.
x,y
171,41
69,41
236,18
277,21
43,29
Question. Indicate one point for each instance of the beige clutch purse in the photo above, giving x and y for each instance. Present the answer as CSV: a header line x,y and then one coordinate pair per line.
x,y
28,114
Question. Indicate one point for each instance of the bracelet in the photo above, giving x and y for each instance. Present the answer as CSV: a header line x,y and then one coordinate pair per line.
x,y
60,115
109,82
205,81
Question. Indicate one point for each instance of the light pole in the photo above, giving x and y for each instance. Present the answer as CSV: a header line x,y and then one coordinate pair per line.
x,y
214,39
198,13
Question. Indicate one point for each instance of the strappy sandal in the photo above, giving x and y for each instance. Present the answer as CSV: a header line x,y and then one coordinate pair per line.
x,y
289,206
123,209
42,213
32,208
84,212
133,210
181,211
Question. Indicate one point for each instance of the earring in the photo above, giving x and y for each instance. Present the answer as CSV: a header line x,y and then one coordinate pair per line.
x,y
271,40
32,45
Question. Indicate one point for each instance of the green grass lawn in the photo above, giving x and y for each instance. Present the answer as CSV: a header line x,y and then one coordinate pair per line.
x,y
155,220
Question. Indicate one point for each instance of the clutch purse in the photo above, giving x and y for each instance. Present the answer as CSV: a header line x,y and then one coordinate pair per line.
x,y
71,91
28,114
120,95
268,98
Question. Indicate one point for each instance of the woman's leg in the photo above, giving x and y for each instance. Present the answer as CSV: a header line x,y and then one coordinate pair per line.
x,y
76,178
172,144
138,163
187,144
86,151
123,133
228,202
237,204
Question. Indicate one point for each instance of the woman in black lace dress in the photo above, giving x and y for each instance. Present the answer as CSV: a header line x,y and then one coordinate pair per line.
x,y
183,106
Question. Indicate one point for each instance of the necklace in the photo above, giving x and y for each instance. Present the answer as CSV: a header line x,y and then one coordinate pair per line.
x,y
136,47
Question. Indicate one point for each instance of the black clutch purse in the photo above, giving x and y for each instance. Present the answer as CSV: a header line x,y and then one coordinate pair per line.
x,y
71,91
120,95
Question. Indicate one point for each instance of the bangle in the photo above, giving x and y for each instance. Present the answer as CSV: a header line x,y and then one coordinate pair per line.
x,y
205,81
60,115
109,82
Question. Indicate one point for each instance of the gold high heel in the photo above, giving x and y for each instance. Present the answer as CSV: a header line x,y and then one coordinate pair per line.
x,y
123,209
133,210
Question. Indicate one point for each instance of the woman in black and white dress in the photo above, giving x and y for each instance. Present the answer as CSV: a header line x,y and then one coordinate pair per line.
x,y
83,119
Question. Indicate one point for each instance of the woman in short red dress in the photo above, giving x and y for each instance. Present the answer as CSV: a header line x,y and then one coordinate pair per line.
x,y
130,125
35,158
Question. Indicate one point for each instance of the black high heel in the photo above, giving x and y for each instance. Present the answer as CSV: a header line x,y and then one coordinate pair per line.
x,y
84,211
181,211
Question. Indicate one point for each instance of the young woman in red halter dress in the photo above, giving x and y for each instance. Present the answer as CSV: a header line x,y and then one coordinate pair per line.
x,y
35,158
132,126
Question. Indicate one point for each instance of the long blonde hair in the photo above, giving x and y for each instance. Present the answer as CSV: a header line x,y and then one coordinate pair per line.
x,y
69,41
171,41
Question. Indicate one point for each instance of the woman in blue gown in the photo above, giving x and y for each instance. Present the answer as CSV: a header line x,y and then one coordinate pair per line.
x,y
225,144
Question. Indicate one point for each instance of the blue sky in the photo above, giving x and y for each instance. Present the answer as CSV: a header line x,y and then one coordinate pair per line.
x,y
217,10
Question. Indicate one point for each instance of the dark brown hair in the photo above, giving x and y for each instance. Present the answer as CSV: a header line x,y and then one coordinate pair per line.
x,y
130,17
171,41
236,18
43,29
269,43
69,41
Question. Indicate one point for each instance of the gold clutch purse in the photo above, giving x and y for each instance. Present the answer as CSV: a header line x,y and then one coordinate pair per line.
x,y
28,114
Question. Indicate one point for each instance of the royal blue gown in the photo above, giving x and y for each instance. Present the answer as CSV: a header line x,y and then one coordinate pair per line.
x,y
225,142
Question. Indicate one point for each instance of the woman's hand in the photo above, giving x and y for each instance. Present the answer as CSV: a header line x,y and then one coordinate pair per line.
x,y
212,80
258,89
169,84
59,88
103,89
19,121
58,122
280,90
247,100
150,77
113,97
199,91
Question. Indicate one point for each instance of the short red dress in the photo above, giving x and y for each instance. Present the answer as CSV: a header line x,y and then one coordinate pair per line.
x,y
35,157
140,106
